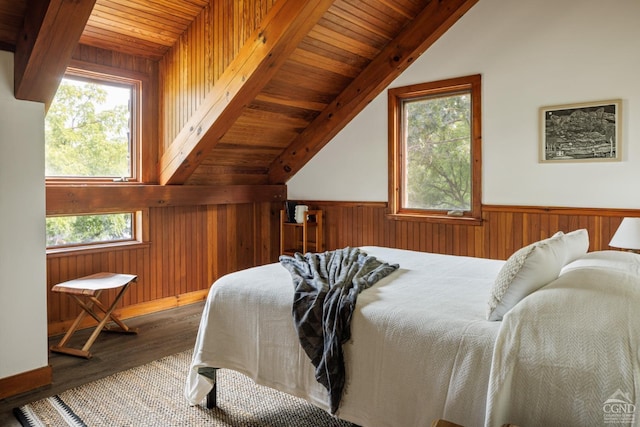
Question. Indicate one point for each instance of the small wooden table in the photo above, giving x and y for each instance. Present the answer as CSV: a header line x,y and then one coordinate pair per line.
x,y
86,291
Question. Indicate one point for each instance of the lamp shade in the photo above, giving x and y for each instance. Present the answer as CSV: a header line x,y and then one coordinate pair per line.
x,y
627,236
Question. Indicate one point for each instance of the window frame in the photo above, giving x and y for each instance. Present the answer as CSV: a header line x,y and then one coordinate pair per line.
x,y
140,225
396,99
140,234
135,139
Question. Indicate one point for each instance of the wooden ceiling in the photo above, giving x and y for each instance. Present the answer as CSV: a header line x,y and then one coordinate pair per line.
x,y
145,28
139,27
312,66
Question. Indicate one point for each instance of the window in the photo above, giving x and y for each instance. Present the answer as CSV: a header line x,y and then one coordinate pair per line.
x,y
77,230
91,129
92,137
435,150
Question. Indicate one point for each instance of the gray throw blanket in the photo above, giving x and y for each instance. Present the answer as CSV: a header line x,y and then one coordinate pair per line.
x,y
326,289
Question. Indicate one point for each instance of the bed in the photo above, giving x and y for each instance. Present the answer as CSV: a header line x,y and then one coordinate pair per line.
x,y
422,346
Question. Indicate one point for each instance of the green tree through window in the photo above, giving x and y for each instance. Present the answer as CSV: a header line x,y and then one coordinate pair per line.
x,y
89,229
88,139
435,150
87,131
438,153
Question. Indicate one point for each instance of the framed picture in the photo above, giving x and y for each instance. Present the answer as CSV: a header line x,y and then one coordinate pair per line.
x,y
590,131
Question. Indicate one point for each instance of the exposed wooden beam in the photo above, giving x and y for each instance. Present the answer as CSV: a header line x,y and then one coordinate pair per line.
x,y
259,59
436,18
79,199
49,35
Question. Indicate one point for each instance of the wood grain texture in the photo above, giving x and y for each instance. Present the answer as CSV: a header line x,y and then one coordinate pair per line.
x,y
78,199
188,248
25,381
233,111
257,61
140,27
190,68
503,230
379,70
49,35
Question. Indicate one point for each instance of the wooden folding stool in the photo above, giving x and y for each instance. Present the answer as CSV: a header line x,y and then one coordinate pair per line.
x,y
86,291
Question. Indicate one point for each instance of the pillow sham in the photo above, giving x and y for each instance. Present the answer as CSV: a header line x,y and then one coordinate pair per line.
x,y
576,244
526,271
627,262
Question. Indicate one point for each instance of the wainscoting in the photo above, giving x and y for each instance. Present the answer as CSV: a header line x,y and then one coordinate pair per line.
x,y
188,248
191,246
503,230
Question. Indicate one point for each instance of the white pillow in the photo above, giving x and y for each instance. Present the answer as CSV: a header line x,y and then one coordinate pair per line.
x,y
576,244
526,271
627,262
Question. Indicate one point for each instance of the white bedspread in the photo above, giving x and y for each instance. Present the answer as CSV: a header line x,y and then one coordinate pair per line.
x,y
566,350
421,348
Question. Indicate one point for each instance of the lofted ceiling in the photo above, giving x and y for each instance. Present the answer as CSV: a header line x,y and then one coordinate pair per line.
x,y
309,69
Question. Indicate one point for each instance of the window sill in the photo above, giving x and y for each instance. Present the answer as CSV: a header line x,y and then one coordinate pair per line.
x,y
439,219
91,249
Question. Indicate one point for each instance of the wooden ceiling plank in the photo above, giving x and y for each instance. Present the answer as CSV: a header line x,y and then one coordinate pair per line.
x,y
257,62
291,102
340,25
435,19
365,21
225,175
313,79
140,19
280,87
268,138
380,9
164,36
401,9
44,47
118,43
329,51
285,110
180,17
341,41
316,60
174,7
269,119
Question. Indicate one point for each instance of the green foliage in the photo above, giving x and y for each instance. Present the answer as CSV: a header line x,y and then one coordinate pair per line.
x,y
83,229
438,138
83,140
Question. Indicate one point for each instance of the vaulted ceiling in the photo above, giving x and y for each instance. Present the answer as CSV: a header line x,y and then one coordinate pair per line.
x,y
311,66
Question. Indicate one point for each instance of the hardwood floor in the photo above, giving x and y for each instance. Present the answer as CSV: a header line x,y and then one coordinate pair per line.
x,y
160,334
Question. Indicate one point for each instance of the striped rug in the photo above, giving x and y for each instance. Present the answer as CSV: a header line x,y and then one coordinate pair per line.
x,y
152,395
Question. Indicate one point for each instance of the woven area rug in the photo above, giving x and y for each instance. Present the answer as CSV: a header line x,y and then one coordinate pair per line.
x,y
152,395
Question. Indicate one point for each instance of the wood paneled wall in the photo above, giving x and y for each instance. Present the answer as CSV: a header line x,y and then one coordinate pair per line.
x,y
504,229
189,70
188,248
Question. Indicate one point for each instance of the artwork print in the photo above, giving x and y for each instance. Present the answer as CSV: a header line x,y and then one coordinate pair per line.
x,y
581,132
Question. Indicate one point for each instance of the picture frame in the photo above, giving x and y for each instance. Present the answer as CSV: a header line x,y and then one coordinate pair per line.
x,y
582,132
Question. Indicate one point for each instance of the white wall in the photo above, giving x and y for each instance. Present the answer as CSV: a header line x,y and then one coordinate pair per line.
x,y
23,308
530,54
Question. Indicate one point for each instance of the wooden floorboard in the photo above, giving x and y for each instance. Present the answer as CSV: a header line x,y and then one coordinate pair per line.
x,y
160,334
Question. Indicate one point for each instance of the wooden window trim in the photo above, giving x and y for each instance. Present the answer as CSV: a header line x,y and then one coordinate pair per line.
x,y
396,97
136,126
140,238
